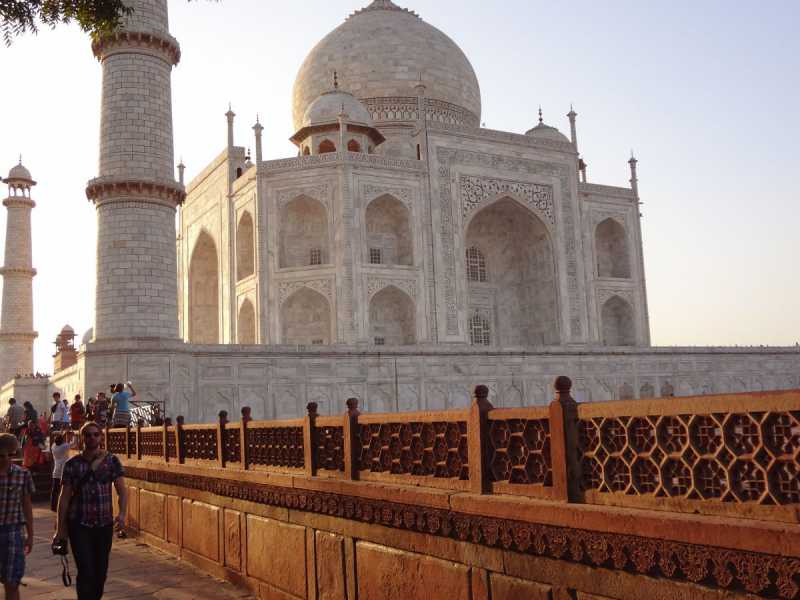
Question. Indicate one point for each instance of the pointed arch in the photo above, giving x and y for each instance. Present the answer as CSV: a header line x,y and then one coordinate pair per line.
x,y
617,319
353,146
246,323
519,264
388,223
326,146
204,291
392,318
611,245
303,237
306,318
245,246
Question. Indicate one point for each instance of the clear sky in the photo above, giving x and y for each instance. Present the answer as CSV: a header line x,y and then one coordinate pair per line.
x,y
706,93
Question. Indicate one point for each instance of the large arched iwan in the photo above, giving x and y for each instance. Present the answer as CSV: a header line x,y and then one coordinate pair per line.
x,y
204,292
518,253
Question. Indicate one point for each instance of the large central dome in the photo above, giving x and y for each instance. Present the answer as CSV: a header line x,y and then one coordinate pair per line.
x,y
382,51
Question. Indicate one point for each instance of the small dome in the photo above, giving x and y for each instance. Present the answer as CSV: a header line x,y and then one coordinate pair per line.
x,y
327,107
547,132
19,172
87,337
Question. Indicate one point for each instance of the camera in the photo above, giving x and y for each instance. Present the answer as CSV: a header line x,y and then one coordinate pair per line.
x,y
59,548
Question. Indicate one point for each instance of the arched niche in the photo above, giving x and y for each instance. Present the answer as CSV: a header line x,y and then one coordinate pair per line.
x,y
353,146
611,245
389,232
326,146
392,318
303,234
306,318
204,292
245,247
619,328
519,262
246,323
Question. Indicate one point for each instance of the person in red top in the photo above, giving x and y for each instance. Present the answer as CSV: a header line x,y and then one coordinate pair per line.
x,y
77,413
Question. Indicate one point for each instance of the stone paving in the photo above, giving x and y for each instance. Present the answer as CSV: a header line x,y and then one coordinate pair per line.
x,y
136,571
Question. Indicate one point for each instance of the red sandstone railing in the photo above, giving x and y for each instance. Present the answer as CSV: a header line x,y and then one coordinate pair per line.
x,y
737,454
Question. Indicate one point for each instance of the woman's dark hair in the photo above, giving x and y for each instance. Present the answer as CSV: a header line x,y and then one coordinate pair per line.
x,y
27,404
119,387
58,439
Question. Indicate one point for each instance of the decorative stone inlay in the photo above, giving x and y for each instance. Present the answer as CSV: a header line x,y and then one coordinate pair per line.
x,y
287,288
19,202
300,163
371,191
317,192
165,45
604,294
406,108
18,271
102,189
708,566
376,284
599,216
449,158
476,191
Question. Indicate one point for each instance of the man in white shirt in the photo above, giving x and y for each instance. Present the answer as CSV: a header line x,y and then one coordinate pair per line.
x,y
59,448
59,413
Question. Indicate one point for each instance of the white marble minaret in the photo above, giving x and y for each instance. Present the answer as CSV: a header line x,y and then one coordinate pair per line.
x,y
16,323
135,192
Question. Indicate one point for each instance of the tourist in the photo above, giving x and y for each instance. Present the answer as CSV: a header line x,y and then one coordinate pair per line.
x,y
89,521
15,417
30,412
90,409
101,409
120,405
32,445
77,413
59,448
58,412
16,512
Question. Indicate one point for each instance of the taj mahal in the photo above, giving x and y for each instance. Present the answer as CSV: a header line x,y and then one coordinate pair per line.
x,y
403,255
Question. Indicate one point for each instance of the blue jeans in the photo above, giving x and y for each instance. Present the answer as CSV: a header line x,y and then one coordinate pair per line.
x,y
90,547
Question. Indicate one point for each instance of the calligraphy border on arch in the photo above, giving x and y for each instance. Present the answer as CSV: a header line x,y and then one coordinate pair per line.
x,y
376,284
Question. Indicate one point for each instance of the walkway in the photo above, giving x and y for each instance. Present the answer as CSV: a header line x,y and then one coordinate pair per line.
x,y
137,571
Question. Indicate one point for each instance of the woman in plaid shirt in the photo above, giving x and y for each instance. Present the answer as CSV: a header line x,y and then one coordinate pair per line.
x,y
16,512
89,519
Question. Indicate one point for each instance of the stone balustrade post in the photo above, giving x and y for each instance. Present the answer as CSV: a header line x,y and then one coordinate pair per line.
x,y
563,442
180,451
128,440
246,418
165,437
310,439
139,439
221,453
350,449
478,440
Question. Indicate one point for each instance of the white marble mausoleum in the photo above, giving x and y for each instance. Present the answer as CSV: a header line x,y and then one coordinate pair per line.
x,y
403,255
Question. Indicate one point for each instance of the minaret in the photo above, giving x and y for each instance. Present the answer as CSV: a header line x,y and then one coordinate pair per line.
x,y
135,192
16,322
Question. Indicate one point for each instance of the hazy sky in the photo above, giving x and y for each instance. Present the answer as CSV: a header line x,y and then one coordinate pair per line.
x,y
706,93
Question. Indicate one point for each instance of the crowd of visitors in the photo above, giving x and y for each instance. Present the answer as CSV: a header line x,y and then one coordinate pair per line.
x,y
81,493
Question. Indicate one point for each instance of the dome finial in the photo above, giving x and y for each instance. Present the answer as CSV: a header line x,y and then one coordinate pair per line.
x,y
335,80
540,114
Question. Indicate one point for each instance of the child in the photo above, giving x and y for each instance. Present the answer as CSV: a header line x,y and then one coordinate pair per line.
x,y
16,511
